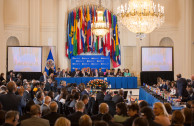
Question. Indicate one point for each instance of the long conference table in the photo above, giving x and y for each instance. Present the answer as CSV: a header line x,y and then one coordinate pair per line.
x,y
146,96
115,82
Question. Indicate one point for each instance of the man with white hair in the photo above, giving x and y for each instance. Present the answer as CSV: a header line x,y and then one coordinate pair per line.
x,y
45,107
103,109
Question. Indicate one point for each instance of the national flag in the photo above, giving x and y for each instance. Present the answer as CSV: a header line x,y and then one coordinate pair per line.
x,y
75,34
88,20
50,62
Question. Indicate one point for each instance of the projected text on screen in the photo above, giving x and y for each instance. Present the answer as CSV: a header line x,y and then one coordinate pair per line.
x,y
24,59
156,59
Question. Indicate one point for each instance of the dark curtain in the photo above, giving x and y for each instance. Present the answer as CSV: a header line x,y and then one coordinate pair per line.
x,y
150,78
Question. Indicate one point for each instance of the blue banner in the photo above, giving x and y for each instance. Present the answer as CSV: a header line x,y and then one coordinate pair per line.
x,y
92,61
50,62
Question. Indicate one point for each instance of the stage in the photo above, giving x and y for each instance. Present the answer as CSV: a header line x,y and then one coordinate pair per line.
x,y
115,82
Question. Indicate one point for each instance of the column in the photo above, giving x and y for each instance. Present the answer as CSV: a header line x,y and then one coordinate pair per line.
x,y
35,14
2,39
63,61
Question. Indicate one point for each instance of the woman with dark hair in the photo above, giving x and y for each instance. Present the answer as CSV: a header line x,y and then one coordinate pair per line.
x,y
121,110
133,112
2,77
119,73
147,112
127,73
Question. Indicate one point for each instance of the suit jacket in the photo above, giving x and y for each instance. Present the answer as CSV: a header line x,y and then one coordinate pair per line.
x,y
72,104
181,86
44,109
35,121
101,73
84,92
107,97
27,96
129,121
8,78
97,117
108,74
96,74
117,98
25,116
52,117
42,79
68,74
63,74
51,71
74,118
100,96
10,101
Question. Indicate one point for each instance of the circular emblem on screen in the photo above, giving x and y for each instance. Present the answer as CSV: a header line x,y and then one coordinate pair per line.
x,y
49,63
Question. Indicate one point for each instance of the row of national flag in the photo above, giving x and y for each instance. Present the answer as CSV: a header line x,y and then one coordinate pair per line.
x,y
80,38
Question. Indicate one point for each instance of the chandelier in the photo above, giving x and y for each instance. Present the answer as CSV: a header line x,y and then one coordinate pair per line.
x,y
100,27
141,16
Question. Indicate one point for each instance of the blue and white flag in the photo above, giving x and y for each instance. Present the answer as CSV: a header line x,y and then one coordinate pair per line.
x,y
50,62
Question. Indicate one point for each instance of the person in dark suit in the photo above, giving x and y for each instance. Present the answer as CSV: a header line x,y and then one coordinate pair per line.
x,y
51,70
119,97
74,118
86,91
103,109
148,113
11,118
100,73
35,120
2,77
44,77
58,72
85,100
132,111
100,95
75,73
39,98
11,76
181,86
108,97
63,73
45,106
53,116
10,101
76,98
27,114
83,73
27,95
68,73
109,74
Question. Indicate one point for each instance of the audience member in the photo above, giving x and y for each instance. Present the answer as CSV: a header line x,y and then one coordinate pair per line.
x,y
11,118
133,113
39,98
121,110
168,109
27,95
27,114
45,106
178,118
10,101
62,121
188,116
143,104
76,98
53,115
140,122
100,123
103,109
35,120
74,118
85,120
100,95
86,91
147,112
85,100
119,97
161,114
181,86
109,96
